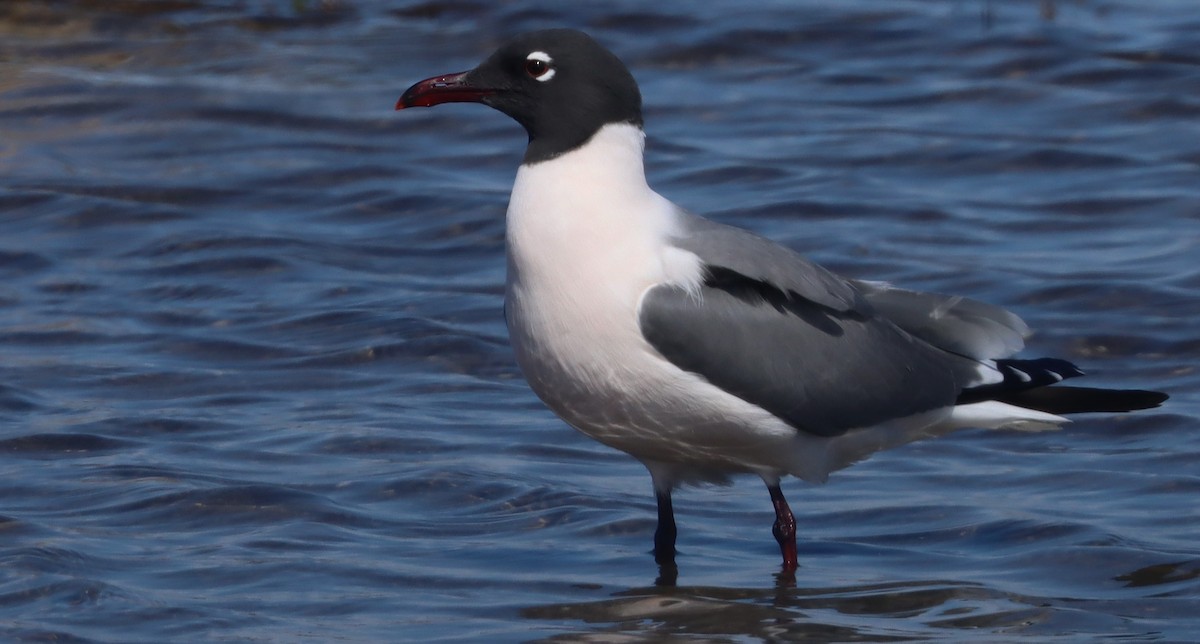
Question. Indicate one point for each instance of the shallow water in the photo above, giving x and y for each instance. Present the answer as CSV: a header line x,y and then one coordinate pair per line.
x,y
255,382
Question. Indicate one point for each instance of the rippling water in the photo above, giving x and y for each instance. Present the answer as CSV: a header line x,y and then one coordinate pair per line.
x,y
255,383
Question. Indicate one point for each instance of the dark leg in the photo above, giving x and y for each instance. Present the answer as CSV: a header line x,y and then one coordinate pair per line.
x,y
784,528
664,536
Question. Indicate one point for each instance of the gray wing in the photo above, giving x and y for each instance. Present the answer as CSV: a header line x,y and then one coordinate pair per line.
x,y
761,259
956,324
821,370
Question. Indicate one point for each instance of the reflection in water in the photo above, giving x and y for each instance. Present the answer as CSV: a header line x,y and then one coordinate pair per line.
x,y
1160,574
790,613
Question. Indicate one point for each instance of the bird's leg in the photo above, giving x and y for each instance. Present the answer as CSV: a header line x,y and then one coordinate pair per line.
x,y
784,528
664,535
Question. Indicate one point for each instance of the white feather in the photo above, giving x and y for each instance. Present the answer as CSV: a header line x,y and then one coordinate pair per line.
x,y
587,238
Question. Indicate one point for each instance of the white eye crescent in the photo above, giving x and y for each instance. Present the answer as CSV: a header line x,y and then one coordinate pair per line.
x,y
539,66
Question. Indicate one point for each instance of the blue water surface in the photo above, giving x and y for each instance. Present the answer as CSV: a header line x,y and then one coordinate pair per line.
x,y
255,383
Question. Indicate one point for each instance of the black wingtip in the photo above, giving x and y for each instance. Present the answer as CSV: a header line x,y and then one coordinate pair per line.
x,y
1078,400
1032,384
1020,376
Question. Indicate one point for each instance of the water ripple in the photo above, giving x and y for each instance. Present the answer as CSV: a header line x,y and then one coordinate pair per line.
x,y
255,382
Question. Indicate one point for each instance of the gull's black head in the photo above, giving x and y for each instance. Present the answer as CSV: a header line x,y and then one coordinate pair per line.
x,y
559,84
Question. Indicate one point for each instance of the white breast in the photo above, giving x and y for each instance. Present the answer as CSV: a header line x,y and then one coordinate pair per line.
x,y
586,238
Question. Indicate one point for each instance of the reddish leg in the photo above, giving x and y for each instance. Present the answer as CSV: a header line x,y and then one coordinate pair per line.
x,y
784,528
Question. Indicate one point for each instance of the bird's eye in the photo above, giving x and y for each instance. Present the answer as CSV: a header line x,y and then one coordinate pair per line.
x,y
536,68
537,65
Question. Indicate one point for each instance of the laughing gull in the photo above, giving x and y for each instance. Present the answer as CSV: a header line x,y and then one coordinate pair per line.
x,y
704,350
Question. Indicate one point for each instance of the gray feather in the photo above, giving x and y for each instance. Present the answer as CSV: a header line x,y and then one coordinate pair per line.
x,y
821,371
956,324
823,353
764,260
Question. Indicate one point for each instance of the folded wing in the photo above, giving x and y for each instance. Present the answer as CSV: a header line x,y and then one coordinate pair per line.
x,y
956,324
785,334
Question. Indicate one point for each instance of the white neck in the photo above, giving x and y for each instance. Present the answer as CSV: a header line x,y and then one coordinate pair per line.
x,y
585,230
588,210
606,170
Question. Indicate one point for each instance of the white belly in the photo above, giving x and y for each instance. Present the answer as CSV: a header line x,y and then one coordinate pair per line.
x,y
586,238
596,372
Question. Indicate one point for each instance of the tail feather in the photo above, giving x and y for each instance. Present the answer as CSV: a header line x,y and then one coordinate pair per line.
x,y
1026,384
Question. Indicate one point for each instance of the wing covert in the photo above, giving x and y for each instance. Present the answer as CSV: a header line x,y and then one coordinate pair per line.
x,y
822,371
